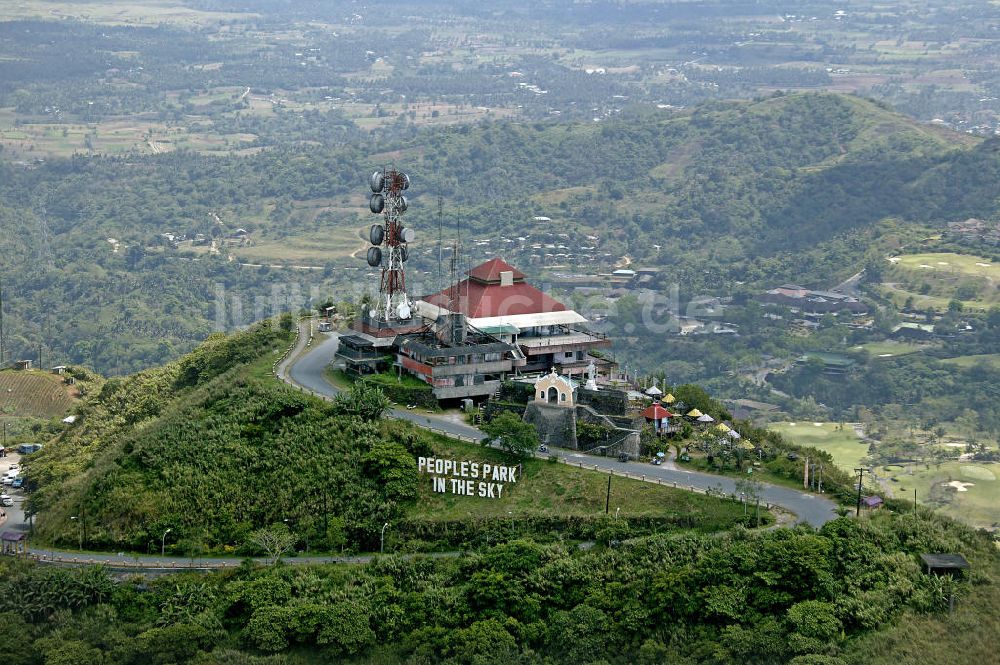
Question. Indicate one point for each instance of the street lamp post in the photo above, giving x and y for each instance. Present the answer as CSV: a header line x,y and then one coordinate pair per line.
x,y
163,542
511,513
381,545
80,524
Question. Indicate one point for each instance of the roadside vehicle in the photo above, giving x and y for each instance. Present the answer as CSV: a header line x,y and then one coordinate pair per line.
x,y
6,500
14,467
18,483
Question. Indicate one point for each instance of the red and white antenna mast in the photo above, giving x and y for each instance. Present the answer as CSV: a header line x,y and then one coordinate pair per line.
x,y
389,241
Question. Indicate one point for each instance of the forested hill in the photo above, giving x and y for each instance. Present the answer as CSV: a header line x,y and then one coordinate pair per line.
x,y
212,446
86,273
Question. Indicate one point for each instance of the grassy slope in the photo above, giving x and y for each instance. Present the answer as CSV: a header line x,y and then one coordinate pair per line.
x,y
977,505
944,273
213,446
550,488
969,635
844,445
965,362
73,465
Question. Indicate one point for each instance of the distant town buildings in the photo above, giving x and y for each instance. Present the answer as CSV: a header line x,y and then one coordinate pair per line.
x,y
810,301
975,230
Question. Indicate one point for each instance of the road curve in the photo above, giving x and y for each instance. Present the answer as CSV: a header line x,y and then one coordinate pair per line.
x,y
305,367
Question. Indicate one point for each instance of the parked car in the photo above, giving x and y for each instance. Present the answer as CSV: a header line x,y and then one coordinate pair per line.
x,y
6,500
18,483
622,457
14,467
8,480
657,461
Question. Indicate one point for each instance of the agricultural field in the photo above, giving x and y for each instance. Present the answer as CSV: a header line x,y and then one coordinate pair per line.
x,y
33,394
132,12
964,490
312,248
111,137
931,280
841,441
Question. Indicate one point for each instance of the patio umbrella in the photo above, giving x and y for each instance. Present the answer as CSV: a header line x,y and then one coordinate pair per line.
x,y
668,399
723,427
733,434
694,413
705,418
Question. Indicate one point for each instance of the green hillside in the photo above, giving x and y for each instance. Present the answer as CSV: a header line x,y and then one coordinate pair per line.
x,y
213,447
851,593
786,187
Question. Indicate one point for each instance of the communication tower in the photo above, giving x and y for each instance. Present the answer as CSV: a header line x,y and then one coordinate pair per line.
x,y
389,245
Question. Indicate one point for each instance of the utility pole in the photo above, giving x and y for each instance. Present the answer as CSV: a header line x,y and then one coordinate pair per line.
x,y
861,476
805,475
914,500
607,502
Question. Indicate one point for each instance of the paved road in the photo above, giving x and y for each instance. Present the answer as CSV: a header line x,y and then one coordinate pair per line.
x,y
306,368
130,562
14,514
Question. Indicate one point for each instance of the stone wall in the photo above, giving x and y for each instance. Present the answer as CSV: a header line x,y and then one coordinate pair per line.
x,y
556,425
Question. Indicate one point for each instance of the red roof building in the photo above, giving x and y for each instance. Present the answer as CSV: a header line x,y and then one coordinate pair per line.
x,y
498,301
656,412
494,289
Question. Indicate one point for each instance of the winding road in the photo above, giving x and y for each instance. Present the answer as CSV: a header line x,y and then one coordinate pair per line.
x,y
304,367
306,364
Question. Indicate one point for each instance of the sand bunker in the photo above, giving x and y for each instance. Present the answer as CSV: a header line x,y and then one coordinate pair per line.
x,y
983,265
924,265
942,263
818,424
960,486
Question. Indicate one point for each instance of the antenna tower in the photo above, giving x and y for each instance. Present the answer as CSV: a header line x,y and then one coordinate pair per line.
x,y
389,244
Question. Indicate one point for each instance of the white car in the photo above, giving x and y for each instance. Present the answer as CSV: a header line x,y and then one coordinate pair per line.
x,y
6,500
14,467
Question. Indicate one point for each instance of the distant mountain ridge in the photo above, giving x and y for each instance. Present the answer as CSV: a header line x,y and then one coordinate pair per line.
x,y
791,186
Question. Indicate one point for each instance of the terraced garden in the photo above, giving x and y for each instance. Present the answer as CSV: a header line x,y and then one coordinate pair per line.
x,y
33,394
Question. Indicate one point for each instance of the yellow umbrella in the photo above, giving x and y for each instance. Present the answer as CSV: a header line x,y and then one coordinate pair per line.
x,y
694,413
668,399
746,445
722,427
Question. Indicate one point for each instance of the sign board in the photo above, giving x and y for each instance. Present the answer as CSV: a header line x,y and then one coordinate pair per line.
x,y
467,478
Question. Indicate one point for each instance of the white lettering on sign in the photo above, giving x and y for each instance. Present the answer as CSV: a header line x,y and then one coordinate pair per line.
x,y
467,478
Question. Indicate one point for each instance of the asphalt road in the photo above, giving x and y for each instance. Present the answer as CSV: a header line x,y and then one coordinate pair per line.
x,y
305,367
123,562
15,514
